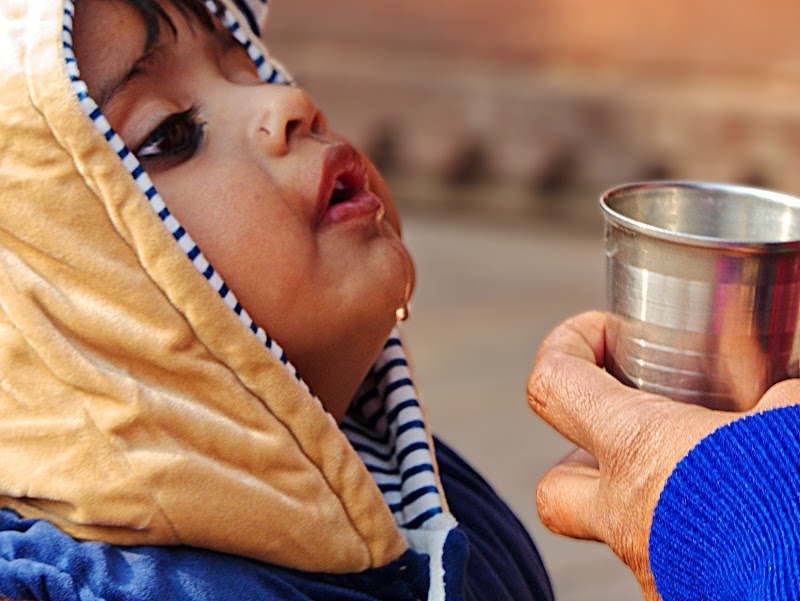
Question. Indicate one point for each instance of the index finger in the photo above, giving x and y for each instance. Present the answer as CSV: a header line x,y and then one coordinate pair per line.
x,y
570,390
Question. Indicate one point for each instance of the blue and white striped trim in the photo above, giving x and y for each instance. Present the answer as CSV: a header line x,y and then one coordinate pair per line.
x,y
266,70
247,8
385,422
385,425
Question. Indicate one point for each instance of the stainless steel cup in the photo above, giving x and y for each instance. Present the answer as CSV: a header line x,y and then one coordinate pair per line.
x,y
703,290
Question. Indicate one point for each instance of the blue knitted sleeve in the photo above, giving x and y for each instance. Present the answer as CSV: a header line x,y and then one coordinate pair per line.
x,y
727,525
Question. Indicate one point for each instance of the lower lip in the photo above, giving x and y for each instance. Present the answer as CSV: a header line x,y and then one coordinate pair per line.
x,y
360,205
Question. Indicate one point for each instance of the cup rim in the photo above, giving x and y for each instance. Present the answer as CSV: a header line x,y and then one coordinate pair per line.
x,y
653,231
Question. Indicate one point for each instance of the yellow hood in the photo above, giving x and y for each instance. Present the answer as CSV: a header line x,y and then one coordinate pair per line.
x,y
135,406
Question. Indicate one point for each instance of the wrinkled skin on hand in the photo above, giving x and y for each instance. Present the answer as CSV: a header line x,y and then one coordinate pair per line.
x,y
629,443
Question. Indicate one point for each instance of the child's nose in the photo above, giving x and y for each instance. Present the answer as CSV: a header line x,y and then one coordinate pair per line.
x,y
289,112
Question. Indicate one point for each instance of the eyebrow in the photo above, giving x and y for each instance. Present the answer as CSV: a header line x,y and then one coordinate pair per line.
x,y
116,83
153,33
110,88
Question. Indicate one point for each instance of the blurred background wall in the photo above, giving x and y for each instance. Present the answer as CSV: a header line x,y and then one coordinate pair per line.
x,y
544,103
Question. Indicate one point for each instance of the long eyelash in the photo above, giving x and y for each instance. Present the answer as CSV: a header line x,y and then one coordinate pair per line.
x,y
189,145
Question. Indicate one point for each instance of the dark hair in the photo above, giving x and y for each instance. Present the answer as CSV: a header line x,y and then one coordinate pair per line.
x,y
154,15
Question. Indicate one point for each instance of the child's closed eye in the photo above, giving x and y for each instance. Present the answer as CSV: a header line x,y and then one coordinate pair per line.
x,y
176,138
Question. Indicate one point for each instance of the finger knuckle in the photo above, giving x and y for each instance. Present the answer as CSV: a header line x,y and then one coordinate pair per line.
x,y
544,377
538,385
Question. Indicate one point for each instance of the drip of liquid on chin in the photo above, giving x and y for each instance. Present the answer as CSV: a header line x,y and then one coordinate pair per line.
x,y
391,236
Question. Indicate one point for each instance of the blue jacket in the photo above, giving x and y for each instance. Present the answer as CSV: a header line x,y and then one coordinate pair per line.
x,y
727,525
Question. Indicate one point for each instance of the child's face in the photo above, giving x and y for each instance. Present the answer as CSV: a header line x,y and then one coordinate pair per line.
x,y
252,173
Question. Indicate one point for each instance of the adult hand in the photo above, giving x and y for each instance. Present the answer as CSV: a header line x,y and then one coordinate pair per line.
x,y
629,443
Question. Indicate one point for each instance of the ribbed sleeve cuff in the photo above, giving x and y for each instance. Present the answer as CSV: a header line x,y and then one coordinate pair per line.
x,y
727,524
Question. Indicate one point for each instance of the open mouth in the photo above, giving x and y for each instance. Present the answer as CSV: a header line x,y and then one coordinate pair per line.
x,y
346,186
343,191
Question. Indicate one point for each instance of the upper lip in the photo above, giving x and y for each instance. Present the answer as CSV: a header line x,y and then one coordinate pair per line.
x,y
343,176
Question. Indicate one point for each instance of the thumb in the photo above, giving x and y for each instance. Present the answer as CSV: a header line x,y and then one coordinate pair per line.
x,y
569,389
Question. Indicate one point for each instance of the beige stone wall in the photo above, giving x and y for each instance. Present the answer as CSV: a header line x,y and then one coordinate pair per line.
x,y
707,34
546,97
